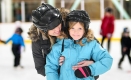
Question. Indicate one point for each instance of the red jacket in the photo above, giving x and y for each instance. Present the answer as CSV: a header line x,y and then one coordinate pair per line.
x,y
107,25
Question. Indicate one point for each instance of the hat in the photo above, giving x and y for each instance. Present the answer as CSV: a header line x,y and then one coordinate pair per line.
x,y
46,17
126,30
78,16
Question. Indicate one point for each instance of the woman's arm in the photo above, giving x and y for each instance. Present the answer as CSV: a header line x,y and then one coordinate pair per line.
x,y
39,60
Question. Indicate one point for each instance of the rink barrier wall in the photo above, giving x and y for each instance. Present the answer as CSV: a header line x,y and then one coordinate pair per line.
x,y
99,39
7,29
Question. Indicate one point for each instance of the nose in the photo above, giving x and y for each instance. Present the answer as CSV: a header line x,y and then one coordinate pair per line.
x,y
76,31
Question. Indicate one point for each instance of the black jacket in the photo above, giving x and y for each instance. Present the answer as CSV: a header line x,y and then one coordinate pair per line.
x,y
38,56
126,42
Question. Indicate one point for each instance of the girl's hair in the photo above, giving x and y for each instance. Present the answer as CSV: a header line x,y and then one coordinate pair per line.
x,y
88,34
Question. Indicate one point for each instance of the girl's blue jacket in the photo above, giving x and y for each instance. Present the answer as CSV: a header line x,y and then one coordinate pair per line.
x,y
73,54
16,39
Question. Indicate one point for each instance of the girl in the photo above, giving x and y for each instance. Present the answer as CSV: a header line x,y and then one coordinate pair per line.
x,y
80,46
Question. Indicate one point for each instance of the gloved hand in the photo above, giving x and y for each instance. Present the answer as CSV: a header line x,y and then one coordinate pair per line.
x,y
83,72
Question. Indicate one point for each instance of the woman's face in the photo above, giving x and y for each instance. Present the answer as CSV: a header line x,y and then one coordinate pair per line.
x,y
56,31
77,31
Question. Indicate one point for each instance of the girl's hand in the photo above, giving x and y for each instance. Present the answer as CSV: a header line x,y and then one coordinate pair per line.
x,y
82,64
61,60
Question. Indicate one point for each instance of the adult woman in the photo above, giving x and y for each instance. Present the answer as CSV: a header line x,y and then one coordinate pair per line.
x,y
47,24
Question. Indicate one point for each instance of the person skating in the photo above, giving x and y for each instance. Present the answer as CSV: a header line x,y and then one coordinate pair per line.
x,y
125,46
17,46
107,27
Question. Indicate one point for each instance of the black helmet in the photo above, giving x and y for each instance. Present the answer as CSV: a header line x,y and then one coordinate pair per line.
x,y
46,17
78,16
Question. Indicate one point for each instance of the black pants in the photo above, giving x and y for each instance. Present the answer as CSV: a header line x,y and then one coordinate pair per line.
x,y
17,54
108,45
123,56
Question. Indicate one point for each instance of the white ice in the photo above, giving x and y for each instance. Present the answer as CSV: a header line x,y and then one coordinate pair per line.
x,y
7,72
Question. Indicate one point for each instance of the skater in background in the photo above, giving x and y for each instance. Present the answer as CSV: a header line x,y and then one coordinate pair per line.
x,y
107,27
125,46
17,45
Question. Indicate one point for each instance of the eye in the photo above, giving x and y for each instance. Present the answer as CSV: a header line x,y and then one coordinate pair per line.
x,y
80,28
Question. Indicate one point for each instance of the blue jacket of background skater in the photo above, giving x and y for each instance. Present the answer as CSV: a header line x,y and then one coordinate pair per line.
x,y
73,54
16,39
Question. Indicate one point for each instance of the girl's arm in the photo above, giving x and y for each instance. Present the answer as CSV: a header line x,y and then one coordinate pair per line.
x,y
22,42
39,60
103,60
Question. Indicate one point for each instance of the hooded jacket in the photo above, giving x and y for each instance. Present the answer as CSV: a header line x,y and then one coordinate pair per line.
x,y
73,54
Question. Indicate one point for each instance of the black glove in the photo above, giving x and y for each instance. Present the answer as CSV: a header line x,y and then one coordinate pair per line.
x,y
83,72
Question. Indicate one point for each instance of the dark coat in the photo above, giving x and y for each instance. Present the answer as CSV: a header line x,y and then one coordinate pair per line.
x,y
38,56
40,48
126,42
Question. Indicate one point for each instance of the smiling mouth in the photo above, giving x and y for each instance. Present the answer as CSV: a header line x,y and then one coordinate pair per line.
x,y
75,35
57,33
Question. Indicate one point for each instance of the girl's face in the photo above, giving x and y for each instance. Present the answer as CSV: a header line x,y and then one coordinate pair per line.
x,y
56,31
77,31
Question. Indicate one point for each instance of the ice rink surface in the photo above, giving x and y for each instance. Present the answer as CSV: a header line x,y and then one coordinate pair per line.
x,y
7,72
